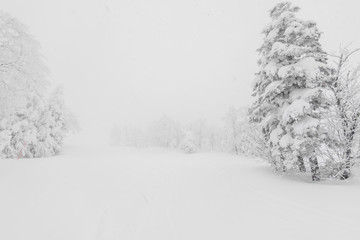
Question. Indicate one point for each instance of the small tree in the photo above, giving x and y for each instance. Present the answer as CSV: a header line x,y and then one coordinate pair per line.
x,y
343,119
243,137
232,129
54,123
188,143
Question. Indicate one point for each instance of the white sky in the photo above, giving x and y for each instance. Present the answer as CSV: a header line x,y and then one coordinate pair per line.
x,y
129,61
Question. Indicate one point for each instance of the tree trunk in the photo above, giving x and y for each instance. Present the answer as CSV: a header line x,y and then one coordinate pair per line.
x,y
346,172
278,164
236,150
350,138
283,167
301,164
314,165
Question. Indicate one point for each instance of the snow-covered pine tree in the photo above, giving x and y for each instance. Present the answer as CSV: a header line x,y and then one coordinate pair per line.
x,y
188,143
289,90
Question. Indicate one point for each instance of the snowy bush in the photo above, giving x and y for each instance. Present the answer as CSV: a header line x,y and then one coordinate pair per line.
x,y
243,137
35,131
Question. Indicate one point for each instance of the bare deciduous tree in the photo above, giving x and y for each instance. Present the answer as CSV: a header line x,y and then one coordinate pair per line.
x,y
343,119
22,71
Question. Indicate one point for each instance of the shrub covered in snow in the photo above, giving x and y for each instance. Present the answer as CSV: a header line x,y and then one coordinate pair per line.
x,y
241,136
35,131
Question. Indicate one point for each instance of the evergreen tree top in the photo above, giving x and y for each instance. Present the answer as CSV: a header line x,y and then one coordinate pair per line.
x,y
282,7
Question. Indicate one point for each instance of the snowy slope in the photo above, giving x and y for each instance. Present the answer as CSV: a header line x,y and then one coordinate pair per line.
x,y
125,193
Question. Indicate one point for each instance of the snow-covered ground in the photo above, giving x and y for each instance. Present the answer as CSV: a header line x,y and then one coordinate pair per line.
x,y
95,193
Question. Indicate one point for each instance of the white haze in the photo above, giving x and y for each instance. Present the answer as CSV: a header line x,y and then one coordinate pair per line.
x,y
131,62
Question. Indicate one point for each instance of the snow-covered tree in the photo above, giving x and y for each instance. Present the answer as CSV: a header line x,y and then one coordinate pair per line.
x,y
289,90
129,136
200,132
243,137
165,132
30,124
20,129
342,121
232,125
188,144
37,130
22,71
214,139
54,123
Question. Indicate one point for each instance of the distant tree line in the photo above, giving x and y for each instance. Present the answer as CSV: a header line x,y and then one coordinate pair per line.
x,y
235,135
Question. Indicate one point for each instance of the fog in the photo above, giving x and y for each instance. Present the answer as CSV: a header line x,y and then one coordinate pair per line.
x,y
131,62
